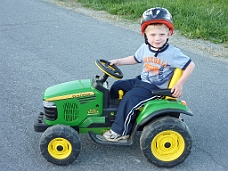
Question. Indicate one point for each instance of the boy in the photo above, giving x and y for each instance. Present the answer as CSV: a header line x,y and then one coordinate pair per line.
x,y
159,62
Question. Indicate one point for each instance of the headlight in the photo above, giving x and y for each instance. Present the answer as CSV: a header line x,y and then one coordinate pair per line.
x,y
49,104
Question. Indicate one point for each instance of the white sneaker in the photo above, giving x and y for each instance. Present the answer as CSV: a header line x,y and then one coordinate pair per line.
x,y
114,137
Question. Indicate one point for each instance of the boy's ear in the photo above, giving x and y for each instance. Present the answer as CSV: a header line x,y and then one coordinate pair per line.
x,y
170,33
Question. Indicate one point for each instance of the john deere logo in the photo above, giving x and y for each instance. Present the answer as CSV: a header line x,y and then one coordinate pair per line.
x,y
70,96
92,112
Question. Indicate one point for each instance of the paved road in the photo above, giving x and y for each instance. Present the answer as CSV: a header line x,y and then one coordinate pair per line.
x,y
42,45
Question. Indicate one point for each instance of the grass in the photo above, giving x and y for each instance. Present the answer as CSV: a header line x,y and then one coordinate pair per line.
x,y
203,19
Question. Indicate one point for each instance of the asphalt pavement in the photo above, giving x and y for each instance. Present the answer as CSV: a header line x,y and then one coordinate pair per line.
x,y
42,44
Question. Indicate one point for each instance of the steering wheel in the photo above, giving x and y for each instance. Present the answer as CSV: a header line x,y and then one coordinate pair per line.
x,y
110,70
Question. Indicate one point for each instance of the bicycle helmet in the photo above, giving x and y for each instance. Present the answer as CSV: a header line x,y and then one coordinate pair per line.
x,y
157,15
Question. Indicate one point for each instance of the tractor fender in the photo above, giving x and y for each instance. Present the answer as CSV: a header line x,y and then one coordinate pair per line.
x,y
157,108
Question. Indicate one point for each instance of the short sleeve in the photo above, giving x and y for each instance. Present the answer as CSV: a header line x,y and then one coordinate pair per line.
x,y
180,60
139,53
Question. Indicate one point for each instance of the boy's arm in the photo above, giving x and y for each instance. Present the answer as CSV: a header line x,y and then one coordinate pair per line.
x,y
124,61
178,87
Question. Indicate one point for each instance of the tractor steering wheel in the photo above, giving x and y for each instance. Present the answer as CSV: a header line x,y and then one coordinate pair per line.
x,y
110,70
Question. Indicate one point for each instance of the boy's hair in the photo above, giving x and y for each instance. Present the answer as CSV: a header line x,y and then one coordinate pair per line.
x,y
157,24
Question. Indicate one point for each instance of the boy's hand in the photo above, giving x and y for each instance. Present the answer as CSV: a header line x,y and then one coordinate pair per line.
x,y
177,90
178,87
123,61
114,62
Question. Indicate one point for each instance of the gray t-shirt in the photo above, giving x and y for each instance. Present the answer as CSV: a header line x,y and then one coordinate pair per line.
x,y
159,70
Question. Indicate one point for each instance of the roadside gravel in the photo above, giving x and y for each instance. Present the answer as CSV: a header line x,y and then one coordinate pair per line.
x,y
197,46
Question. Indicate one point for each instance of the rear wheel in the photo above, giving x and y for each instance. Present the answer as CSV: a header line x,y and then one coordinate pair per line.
x,y
60,144
166,142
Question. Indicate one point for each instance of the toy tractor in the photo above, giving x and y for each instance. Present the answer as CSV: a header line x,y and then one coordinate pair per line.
x,y
84,106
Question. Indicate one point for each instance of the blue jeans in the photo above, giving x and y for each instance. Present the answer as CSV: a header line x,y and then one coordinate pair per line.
x,y
136,94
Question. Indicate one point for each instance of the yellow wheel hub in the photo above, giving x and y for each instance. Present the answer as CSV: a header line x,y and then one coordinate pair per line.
x,y
168,145
59,148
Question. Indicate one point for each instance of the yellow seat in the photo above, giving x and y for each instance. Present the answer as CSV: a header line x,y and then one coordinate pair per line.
x,y
176,76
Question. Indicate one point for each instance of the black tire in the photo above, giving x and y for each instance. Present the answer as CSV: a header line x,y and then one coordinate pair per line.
x,y
60,144
166,142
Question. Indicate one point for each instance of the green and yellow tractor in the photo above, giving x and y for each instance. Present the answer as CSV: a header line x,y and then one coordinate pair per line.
x,y
84,107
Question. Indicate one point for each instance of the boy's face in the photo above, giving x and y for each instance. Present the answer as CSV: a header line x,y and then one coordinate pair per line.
x,y
157,35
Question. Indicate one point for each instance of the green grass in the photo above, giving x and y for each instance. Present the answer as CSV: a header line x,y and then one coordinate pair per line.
x,y
204,19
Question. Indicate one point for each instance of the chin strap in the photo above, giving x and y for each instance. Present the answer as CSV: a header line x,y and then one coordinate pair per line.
x,y
158,49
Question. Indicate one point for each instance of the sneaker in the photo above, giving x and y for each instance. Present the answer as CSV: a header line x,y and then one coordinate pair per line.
x,y
114,137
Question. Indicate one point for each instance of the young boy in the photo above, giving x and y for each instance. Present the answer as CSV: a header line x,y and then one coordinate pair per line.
x,y
159,62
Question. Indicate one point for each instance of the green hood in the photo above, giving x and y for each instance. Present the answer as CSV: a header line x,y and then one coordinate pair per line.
x,y
68,88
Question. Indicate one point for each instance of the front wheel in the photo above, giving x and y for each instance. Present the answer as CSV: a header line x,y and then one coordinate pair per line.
x,y
60,144
166,142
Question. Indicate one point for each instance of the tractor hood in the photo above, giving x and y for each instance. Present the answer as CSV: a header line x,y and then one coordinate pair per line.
x,y
68,90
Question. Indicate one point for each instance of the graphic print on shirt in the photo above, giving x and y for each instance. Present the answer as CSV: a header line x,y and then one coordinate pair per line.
x,y
155,68
154,65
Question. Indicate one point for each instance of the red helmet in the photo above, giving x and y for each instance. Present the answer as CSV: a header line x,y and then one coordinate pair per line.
x,y
157,15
